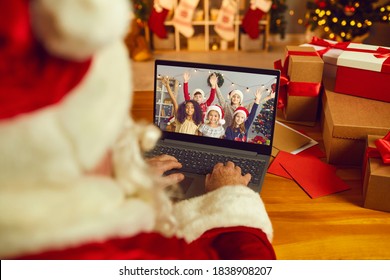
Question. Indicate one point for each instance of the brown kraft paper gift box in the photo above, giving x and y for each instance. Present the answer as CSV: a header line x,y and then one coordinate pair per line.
x,y
302,69
376,183
346,122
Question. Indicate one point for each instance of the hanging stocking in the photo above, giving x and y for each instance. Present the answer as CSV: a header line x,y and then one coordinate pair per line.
x,y
250,22
225,20
158,15
182,19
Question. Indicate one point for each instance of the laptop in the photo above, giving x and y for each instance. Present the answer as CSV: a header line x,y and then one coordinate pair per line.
x,y
199,153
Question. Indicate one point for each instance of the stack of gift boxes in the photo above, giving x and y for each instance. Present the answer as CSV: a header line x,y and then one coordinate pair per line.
x,y
354,110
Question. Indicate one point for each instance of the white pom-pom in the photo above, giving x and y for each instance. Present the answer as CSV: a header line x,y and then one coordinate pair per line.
x,y
149,137
76,29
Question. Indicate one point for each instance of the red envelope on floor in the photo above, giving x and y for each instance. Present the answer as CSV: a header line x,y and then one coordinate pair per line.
x,y
315,177
314,151
275,167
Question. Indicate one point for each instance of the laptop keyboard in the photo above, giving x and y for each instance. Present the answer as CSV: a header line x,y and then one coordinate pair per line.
x,y
202,163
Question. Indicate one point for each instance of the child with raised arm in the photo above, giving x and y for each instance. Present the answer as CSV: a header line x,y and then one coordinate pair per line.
x,y
188,115
235,98
198,94
213,121
242,120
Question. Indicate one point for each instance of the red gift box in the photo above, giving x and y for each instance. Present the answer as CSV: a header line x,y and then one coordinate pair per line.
x,y
360,70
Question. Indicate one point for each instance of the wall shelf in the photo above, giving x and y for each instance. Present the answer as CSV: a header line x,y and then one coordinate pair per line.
x,y
205,27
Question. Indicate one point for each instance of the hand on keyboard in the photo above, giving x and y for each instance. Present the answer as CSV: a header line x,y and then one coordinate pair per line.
x,y
165,163
202,162
224,175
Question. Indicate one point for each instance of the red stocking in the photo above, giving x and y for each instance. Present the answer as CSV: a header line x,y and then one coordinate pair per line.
x,y
156,22
250,22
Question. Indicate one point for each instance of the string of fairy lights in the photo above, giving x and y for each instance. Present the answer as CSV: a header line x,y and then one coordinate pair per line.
x,y
340,20
233,84
347,19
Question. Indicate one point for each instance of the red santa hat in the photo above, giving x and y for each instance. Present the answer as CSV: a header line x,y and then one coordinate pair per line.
x,y
220,112
238,92
49,73
65,93
241,110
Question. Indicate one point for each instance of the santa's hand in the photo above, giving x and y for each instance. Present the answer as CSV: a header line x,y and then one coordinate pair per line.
x,y
164,163
224,175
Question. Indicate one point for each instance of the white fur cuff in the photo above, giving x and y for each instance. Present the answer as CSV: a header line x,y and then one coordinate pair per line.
x,y
225,207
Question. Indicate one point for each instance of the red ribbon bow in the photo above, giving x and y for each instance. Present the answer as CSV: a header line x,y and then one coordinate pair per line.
x,y
294,88
383,147
378,53
381,150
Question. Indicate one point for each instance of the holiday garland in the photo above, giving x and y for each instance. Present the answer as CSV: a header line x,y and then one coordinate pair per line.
x,y
219,77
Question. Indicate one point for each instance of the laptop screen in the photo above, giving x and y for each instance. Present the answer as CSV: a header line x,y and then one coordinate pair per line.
x,y
221,105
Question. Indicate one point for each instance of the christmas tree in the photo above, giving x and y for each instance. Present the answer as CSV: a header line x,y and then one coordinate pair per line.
x,y
346,20
262,125
136,40
278,21
141,9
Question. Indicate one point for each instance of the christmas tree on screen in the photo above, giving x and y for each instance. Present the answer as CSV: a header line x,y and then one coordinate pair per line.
x,y
346,20
262,125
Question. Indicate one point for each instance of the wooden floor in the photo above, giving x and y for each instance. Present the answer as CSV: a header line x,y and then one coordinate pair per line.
x,y
331,227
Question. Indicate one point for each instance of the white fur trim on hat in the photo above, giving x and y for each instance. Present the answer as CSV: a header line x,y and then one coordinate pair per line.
x,y
238,92
242,111
72,136
219,110
225,207
200,91
76,29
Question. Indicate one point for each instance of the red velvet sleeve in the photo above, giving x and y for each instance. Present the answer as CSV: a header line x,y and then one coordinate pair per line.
x,y
210,100
144,246
222,243
239,243
185,92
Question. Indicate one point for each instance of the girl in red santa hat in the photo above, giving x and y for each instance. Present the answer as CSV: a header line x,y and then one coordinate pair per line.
x,y
235,98
213,122
74,183
242,120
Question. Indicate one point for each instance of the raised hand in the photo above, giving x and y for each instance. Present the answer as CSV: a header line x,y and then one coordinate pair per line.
x,y
213,80
186,77
165,81
262,94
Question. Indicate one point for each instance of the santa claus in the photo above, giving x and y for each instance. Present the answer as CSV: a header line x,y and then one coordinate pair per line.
x,y
73,180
